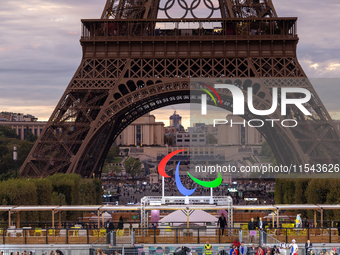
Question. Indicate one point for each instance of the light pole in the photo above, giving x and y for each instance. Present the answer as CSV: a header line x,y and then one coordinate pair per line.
x,y
15,158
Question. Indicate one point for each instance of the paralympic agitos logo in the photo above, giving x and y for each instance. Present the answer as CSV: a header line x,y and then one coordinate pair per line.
x,y
184,191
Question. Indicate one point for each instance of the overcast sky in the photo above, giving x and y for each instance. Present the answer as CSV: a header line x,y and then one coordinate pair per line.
x,y
40,50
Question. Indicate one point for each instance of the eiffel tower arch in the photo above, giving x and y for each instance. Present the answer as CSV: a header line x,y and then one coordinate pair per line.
x,y
132,65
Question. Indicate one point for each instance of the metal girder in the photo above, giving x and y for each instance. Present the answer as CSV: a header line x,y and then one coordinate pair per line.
x,y
128,70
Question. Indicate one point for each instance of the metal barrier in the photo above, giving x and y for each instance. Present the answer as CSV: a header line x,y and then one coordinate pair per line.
x,y
46,251
52,236
301,235
178,235
167,250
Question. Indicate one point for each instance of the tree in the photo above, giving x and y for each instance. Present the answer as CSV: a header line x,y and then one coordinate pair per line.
x,y
133,166
31,137
8,132
24,149
112,154
6,161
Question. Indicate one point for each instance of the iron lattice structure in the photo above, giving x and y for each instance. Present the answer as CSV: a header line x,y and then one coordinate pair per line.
x,y
132,65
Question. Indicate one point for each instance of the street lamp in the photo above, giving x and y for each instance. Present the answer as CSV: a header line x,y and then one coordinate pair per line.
x,y
15,158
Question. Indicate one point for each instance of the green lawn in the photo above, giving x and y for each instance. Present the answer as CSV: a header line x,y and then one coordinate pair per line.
x,y
117,160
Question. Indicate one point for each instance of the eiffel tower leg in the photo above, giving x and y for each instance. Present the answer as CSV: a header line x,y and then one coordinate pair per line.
x,y
129,69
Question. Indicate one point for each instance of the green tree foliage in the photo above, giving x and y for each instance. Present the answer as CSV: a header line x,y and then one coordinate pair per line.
x,y
6,161
31,137
309,191
24,148
300,191
59,189
133,166
112,154
8,132
278,192
9,139
44,197
19,192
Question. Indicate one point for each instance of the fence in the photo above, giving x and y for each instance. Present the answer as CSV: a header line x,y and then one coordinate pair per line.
x,y
178,235
167,250
46,251
153,250
51,236
301,235
167,235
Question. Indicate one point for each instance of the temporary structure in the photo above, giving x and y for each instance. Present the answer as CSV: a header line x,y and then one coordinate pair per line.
x,y
197,217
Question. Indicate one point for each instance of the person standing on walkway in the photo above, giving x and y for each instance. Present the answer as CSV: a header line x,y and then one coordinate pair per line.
x,y
222,222
298,220
251,229
308,246
293,246
243,249
263,234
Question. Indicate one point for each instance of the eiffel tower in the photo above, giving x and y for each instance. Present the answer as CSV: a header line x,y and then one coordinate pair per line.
x,y
135,62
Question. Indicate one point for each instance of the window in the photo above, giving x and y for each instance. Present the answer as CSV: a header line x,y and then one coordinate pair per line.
x,y
194,136
201,140
179,140
201,135
194,140
187,140
138,135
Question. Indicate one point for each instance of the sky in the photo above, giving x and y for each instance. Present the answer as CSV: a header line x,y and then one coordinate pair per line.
x,y
40,51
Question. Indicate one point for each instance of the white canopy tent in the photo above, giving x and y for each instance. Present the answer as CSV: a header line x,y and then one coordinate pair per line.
x,y
180,217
